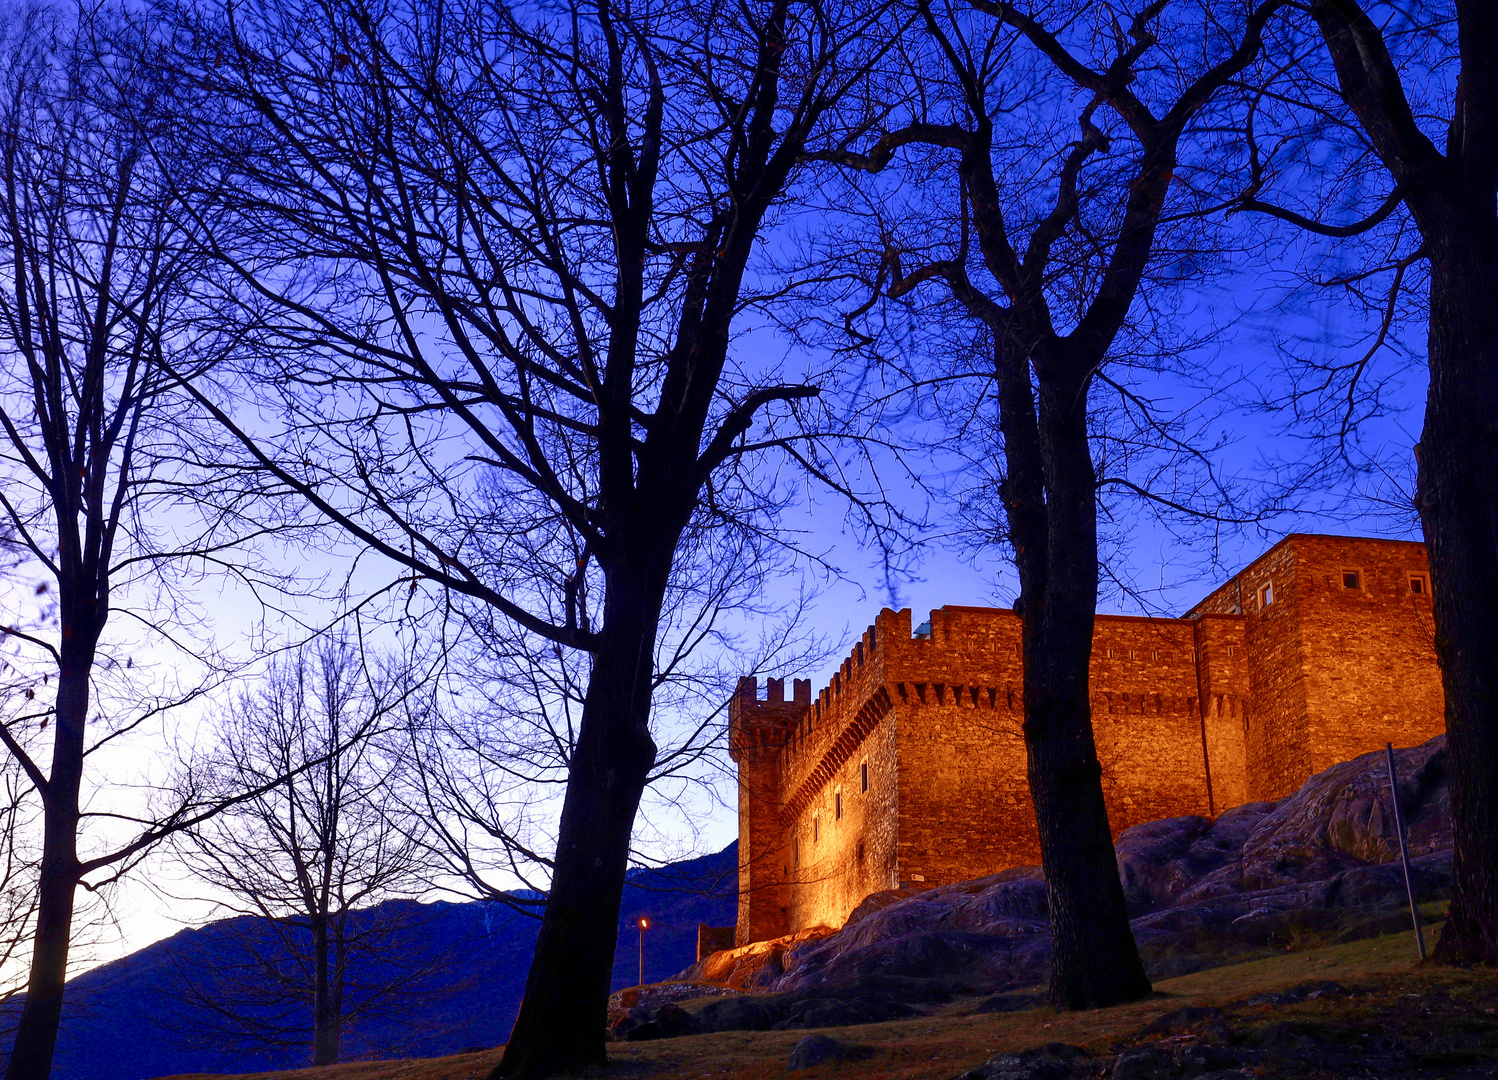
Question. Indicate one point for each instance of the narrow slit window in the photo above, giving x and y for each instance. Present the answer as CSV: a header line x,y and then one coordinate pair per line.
x,y
796,849
816,829
837,806
1266,596
863,777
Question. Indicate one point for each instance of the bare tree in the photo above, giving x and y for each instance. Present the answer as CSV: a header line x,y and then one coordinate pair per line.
x,y
307,859
28,605
92,266
488,752
1361,158
491,260
1047,270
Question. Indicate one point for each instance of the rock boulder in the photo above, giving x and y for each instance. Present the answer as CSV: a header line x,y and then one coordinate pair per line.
x,y
1318,866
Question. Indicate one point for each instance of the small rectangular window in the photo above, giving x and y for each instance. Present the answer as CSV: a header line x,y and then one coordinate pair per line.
x,y
837,806
863,777
1420,584
1352,579
1266,596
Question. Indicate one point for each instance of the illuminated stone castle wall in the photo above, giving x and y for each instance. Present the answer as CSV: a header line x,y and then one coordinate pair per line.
x,y
909,766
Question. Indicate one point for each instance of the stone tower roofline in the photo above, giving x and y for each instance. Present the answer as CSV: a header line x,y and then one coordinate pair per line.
x,y
908,764
774,720
754,724
1251,569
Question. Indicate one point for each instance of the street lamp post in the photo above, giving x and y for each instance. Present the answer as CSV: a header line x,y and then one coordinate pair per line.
x,y
643,923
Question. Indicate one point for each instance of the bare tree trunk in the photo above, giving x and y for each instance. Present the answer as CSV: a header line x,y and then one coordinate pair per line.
x,y
337,983
1049,491
1051,500
563,1016
324,1023
1458,476
36,1031
1453,198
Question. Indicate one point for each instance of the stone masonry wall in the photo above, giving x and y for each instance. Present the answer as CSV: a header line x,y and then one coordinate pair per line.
x,y
837,859
1222,694
1145,719
964,800
1275,737
1334,671
758,731
840,838
937,719
909,766
1372,676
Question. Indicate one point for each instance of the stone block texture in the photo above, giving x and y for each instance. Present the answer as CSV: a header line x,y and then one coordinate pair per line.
x,y
909,768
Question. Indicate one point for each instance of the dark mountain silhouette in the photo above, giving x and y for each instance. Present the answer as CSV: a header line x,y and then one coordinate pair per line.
x,y
129,1019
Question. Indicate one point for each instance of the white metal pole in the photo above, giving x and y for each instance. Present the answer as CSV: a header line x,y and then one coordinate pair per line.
x,y
1404,853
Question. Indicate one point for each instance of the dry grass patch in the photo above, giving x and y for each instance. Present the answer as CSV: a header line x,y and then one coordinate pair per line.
x,y
943,1045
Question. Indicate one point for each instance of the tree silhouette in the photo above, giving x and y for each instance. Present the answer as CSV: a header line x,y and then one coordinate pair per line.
x,y
94,264
1367,104
1047,272
488,263
324,838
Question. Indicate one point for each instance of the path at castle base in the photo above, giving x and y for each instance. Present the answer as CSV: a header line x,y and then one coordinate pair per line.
x,y
1319,866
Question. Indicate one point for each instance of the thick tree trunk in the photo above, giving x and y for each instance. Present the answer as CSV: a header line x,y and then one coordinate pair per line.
x,y
564,1013
324,1023
36,1032
1458,501
1452,199
1051,501
337,981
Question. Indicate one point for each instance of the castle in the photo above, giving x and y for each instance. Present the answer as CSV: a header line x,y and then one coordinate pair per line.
x,y
908,769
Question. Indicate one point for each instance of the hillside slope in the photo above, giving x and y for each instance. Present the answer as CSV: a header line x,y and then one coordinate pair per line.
x,y
128,1020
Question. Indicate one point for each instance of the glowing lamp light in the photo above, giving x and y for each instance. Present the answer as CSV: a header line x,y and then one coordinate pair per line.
x,y
642,922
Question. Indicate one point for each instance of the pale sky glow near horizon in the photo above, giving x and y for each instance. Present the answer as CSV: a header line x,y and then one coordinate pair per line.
x,y
842,609
156,899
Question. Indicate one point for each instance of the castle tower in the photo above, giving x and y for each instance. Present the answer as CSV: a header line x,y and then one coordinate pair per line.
x,y
1335,655
908,769
757,731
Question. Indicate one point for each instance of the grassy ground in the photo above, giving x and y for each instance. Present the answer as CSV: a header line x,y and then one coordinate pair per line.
x,y
1384,971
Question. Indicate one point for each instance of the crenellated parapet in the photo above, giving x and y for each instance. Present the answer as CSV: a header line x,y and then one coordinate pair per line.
x,y
755,724
909,767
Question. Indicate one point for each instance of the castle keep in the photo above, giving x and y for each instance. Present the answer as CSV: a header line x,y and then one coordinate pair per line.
x,y
909,767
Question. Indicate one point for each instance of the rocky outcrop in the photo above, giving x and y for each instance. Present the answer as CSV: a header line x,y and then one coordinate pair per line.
x,y
755,963
1318,866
